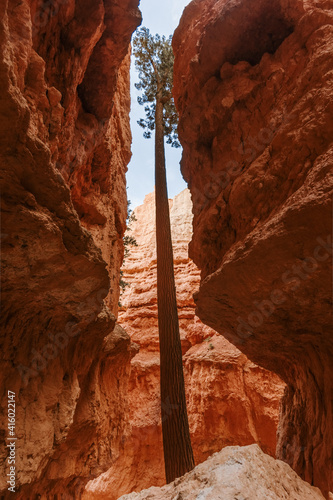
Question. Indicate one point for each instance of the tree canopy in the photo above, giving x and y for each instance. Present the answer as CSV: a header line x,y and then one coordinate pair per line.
x,y
154,61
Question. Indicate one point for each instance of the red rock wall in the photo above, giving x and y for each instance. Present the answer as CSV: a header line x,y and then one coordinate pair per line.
x,y
253,86
65,144
230,400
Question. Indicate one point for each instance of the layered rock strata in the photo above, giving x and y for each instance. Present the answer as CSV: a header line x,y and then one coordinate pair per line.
x,y
253,86
230,399
64,143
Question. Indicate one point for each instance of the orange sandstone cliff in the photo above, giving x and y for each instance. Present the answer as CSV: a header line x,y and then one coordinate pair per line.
x,y
253,86
231,401
65,144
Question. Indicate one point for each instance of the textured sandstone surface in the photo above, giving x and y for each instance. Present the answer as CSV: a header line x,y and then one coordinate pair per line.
x,y
231,401
235,473
253,85
64,143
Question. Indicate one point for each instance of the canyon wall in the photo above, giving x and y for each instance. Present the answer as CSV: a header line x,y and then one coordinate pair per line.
x,y
65,144
231,401
253,86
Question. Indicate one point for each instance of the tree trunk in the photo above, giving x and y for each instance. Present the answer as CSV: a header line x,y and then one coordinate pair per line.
x,y
178,454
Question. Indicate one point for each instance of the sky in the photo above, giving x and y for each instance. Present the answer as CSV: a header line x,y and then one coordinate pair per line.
x,y
160,17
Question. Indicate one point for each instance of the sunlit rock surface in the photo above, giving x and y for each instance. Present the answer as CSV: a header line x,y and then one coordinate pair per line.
x,y
235,473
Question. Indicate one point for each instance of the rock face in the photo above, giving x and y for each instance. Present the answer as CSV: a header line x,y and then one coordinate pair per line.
x,y
64,143
231,401
253,86
235,473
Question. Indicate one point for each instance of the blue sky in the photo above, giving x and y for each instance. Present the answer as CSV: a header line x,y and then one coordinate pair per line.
x,y
163,18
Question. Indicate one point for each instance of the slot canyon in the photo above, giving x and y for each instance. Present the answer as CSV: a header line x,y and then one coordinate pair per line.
x,y
252,242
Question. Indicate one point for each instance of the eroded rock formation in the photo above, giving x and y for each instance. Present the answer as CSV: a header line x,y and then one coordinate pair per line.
x,y
64,140
235,473
230,399
253,86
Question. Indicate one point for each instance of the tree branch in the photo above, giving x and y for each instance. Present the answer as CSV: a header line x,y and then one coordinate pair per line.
x,y
156,73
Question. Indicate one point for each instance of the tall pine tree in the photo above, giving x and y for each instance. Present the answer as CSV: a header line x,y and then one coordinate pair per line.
x,y
154,61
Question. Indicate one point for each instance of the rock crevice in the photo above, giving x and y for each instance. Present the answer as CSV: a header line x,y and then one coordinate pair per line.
x,y
230,400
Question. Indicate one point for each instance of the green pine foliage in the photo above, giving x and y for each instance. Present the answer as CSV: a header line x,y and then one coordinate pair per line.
x,y
154,61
